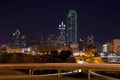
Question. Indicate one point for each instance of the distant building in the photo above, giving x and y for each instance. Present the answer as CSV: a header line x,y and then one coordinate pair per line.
x,y
14,50
90,40
62,34
74,48
105,48
18,40
112,46
34,39
72,26
81,45
3,48
51,39
116,45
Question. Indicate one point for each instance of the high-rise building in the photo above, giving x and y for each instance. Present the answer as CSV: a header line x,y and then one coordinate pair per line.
x,y
114,46
62,35
34,39
90,40
72,26
18,40
51,39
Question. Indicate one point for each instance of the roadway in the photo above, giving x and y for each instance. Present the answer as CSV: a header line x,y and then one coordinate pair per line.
x,y
63,66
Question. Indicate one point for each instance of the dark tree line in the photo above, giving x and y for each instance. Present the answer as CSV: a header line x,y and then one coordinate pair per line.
x,y
54,57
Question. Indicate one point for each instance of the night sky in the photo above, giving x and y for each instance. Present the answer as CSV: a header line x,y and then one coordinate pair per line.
x,y
98,17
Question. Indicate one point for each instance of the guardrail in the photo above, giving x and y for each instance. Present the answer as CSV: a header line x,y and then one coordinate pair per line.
x,y
63,66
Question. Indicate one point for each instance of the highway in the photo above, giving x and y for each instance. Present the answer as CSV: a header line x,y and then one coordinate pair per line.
x,y
60,66
63,66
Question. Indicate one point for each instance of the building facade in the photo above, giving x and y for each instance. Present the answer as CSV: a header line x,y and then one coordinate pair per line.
x,y
62,35
18,40
112,46
72,26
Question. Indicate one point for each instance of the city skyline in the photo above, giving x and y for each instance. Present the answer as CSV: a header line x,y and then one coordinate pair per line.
x,y
100,18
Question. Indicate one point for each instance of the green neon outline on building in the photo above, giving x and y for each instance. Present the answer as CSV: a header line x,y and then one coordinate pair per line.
x,y
72,26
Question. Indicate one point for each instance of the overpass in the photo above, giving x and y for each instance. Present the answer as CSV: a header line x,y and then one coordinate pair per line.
x,y
62,66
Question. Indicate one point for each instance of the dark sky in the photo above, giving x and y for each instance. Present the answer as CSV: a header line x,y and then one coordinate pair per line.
x,y
98,17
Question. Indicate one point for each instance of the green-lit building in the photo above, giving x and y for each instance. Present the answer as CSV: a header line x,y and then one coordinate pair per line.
x,y
72,26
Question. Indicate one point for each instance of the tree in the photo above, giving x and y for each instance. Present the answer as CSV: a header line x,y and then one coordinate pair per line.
x,y
65,54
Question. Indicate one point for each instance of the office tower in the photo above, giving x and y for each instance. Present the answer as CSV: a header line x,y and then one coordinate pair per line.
x,y
23,41
62,35
34,39
90,39
72,26
51,39
18,40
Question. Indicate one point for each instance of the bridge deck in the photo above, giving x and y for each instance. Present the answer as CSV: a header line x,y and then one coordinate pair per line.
x,y
63,66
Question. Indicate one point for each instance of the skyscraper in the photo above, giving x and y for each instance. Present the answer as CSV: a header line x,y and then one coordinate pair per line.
x,y
34,39
72,26
18,40
61,37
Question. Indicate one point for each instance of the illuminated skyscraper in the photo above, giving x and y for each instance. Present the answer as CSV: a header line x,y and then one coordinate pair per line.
x,y
61,38
72,26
